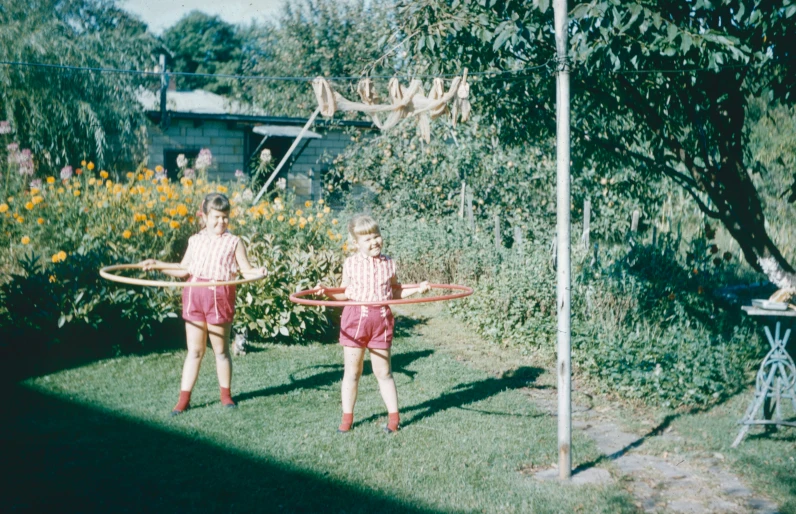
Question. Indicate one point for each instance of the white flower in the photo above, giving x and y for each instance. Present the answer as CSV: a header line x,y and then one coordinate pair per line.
x,y
188,173
66,173
204,159
247,194
281,183
5,127
265,156
182,161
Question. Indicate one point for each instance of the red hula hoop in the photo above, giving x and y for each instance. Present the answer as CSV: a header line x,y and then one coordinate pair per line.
x,y
299,297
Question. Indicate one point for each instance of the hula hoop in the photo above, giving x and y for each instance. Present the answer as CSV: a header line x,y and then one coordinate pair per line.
x,y
299,297
106,273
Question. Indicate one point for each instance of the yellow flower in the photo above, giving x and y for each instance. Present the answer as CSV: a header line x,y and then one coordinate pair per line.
x,y
90,166
83,163
3,207
29,205
20,219
126,234
117,189
292,221
188,182
34,190
25,240
40,221
242,222
165,219
54,258
199,182
52,279
51,180
308,203
141,189
159,233
100,205
320,202
10,199
280,218
309,219
222,189
171,212
163,198
150,223
150,204
159,168
303,220
148,173
60,190
299,212
174,224
327,210
104,174
92,181
130,175
62,255
76,192
319,215
109,183
334,221
143,228
182,210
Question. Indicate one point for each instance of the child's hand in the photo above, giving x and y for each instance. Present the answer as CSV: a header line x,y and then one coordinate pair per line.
x,y
423,287
149,264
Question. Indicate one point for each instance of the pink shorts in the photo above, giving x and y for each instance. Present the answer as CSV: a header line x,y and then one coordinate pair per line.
x,y
367,327
214,305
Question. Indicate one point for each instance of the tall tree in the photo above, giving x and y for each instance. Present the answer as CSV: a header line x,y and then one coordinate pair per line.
x,y
662,86
201,43
330,38
64,115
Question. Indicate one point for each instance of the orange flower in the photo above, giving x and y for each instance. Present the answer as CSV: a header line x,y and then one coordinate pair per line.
x,y
174,224
143,228
160,233
103,174
51,180
25,240
79,171
40,221
126,234
29,205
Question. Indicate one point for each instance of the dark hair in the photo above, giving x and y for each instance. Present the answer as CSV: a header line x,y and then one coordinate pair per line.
x,y
215,201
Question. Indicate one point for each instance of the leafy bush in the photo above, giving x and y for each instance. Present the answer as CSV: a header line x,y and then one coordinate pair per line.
x,y
644,322
58,233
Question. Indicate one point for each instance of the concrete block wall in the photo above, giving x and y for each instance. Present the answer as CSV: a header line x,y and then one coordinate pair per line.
x,y
224,143
306,173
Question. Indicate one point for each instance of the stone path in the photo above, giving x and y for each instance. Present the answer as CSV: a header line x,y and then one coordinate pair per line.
x,y
672,483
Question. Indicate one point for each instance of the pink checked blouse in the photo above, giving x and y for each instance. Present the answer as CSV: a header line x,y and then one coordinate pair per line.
x,y
369,278
212,257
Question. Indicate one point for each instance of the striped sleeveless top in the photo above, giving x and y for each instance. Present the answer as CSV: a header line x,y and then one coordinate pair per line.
x,y
369,278
211,257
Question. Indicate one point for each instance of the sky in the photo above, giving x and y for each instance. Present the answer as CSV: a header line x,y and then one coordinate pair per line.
x,y
161,14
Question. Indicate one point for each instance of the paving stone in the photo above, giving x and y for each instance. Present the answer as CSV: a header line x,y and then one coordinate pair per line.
x,y
591,476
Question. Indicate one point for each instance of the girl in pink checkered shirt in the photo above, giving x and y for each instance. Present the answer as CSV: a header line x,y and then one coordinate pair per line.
x,y
213,255
369,276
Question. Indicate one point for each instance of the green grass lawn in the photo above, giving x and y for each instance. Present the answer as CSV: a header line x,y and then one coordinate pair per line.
x,y
99,438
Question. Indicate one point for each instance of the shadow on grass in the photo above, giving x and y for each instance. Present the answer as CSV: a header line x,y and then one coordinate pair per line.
x,y
334,375
407,327
64,457
466,394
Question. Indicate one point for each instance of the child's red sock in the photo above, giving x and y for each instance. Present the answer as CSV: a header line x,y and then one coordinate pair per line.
x,y
348,420
183,403
226,398
392,422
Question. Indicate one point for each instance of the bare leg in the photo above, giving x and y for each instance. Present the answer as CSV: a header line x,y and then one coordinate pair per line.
x,y
196,337
380,360
353,359
219,338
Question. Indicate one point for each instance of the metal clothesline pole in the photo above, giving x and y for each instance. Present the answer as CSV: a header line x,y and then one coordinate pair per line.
x,y
564,350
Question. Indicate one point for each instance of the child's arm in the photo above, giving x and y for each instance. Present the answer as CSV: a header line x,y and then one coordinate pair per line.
x,y
151,263
405,292
245,266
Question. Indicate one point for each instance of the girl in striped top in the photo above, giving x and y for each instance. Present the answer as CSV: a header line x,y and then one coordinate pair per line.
x,y
369,276
213,255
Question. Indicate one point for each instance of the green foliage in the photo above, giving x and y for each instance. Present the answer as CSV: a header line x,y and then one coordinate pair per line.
x,y
201,43
65,116
315,38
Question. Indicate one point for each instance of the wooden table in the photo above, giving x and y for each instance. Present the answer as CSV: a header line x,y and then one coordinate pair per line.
x,y
776,378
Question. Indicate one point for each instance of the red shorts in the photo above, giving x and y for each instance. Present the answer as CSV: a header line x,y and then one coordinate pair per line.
x,y
214,305
367,327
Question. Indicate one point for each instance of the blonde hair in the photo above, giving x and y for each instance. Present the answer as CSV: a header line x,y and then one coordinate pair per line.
x,y
361,225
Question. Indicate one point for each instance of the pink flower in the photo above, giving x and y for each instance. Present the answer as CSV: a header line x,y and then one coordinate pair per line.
x,y
188,173
239,174
36,184
5,127
25,161
66,173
